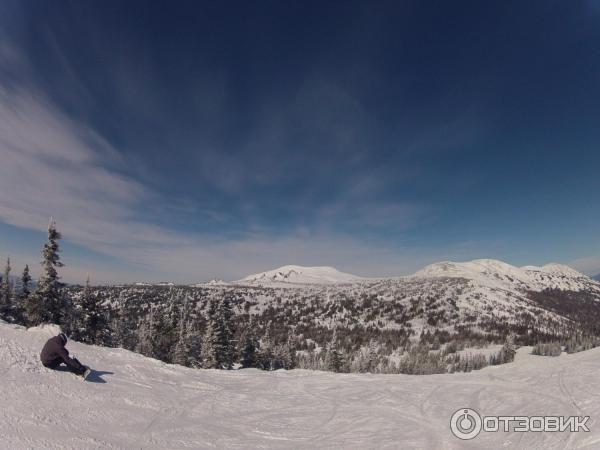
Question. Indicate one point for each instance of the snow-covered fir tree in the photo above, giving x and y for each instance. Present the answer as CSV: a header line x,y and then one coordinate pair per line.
x,y
509,349
92,321
144,336
210,360
333,359
162,334
249,347
218,347
265,353
371,359
225,333
184,352
194,342
181,350
290,358
23,295
6,294
289,353
46,304
155,336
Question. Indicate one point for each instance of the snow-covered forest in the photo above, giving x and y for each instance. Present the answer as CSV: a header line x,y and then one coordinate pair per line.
x,y
449,317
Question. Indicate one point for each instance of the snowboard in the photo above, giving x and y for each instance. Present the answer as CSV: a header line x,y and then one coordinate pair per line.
x,y
86,374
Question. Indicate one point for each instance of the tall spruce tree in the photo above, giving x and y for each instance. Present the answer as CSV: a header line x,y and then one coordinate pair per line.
x,y
219,348
289,353
20,298
508,351
143,343
210,359
25,281
46,303
249,347
371,359
93,322
225,333
124,325
162,335
182,351
334,360
265,354
6,294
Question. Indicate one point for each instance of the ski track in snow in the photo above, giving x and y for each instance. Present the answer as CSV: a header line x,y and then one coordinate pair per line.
x,y
146,404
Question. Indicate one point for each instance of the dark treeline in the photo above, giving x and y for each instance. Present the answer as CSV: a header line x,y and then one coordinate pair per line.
x,y
267,328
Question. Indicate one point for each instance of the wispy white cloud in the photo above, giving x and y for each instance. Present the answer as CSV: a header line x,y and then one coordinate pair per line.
x,y
53,165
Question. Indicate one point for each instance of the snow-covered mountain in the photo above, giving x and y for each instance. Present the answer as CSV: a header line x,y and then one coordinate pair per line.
x,y
597,277
161,283
487,272
137,402
299,275
212,283
494,273
480,294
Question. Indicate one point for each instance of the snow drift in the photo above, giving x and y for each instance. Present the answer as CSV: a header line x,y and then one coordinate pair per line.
x,y
137,402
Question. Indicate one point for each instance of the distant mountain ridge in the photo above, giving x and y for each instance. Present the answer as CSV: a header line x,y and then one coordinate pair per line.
x,y
300,275
498,274
211,283
489,272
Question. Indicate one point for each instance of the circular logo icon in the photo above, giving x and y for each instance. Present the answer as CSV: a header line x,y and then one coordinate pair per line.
x,y
465,423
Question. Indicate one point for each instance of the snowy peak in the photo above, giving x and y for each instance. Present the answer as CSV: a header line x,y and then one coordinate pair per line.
x,y
212,283
561,269
468,269
499,274
300,275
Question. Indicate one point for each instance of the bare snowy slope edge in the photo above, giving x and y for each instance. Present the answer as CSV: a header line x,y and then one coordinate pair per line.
x,y
139,402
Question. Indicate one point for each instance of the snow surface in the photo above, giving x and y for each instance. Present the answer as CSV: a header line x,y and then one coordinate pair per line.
x,y
137,402
299,275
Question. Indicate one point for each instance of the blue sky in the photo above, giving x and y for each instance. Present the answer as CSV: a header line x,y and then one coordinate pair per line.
x,y
189,140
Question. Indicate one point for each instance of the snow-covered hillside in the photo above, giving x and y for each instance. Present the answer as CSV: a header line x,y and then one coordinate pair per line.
x,y
136,402
211,283
290,275
476,294
494,273
485,272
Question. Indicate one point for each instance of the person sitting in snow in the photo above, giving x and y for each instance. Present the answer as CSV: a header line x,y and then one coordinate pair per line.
x,y
54,354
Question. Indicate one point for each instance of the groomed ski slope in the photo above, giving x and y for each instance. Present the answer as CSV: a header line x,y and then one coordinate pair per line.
x,y
144,403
